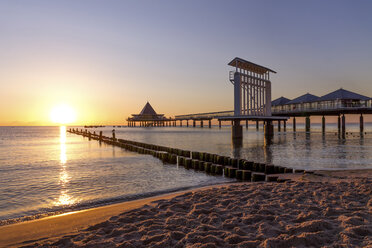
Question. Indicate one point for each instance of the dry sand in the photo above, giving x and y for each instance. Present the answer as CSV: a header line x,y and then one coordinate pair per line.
x,y
321,210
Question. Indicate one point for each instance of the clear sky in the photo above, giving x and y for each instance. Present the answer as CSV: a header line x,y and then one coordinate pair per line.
x,y
107,58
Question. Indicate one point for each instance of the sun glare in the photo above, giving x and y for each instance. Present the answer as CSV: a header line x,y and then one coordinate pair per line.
x,y
63,114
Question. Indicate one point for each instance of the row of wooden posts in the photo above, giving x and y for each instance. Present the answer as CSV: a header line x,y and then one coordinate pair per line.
x,y
214,164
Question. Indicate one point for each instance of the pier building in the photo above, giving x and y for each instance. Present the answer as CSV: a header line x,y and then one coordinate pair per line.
x,y
337,103
148,118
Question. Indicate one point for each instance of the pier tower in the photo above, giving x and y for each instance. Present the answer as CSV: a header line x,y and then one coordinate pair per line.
x,y
252,95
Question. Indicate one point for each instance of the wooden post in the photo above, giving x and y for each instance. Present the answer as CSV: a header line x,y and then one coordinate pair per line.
x,y
210,124
339,124
201,123
294,124
193,123
257,127
323,124
100,135
279,126
361,124
180,123
219,123
307,124
187,123
246,124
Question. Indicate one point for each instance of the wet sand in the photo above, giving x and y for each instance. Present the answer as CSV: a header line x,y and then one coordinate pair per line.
x,y
324,209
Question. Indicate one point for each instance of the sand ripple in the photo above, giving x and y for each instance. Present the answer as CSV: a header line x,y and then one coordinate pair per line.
x,y
291,214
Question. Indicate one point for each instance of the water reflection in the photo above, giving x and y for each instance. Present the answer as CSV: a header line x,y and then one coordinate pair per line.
x,y
64,178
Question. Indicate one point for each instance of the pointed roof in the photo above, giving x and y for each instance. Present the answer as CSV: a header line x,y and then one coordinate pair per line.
x,y
148,110
304,98
280,101
343,94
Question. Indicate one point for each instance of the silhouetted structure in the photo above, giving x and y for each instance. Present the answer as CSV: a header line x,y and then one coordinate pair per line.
x,y
148,118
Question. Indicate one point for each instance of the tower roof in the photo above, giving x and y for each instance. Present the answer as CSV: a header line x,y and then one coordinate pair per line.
x,y
249,66
148,110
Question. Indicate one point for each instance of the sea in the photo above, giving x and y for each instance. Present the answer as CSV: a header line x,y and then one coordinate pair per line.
x,y
47,170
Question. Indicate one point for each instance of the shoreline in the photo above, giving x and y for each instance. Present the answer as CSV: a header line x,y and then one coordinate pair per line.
x,y
102,203
55,227
77,220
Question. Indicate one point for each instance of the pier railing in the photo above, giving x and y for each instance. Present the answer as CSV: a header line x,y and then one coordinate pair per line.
x,y
322,107
209,115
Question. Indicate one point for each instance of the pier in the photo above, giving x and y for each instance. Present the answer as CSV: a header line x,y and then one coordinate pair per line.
x,y
252,102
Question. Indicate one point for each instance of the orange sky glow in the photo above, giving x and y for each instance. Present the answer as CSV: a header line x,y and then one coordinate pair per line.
x,y
106,61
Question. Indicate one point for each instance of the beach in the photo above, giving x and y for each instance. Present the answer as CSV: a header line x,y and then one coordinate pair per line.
x,y
324,209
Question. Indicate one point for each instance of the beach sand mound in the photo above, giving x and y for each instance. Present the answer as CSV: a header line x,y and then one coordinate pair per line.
x,y
291,214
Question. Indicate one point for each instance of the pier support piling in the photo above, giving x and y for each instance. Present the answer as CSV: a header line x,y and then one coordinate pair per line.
x,y
323,124
339,125
187,123
180,123
219,124
279,126
201,123
210,123
237,130
343,126
307,124
193,123
294,124
285,126
268,129
246,124
361,124
257,127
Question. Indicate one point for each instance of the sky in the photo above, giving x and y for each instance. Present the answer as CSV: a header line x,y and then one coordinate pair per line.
x,y
106,59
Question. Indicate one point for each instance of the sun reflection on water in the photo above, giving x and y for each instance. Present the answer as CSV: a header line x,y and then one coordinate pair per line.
x,y
64,178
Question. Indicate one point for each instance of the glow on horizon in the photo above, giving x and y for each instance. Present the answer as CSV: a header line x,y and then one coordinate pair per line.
x,y
63,114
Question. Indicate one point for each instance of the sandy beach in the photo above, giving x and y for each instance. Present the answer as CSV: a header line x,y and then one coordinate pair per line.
x,y
325,209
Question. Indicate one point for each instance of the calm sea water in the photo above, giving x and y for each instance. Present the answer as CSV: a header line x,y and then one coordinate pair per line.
x,y
46,170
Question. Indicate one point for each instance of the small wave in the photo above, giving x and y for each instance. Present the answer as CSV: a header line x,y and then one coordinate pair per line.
x,y
99,203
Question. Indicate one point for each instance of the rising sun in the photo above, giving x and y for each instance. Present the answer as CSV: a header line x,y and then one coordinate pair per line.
x,y
63,114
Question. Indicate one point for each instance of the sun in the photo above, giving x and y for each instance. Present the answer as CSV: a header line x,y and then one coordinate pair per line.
x,y
63,114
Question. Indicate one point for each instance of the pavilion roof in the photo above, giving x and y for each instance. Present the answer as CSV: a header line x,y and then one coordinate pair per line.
x,y
280,101
148,110
304,98
246,65
343,94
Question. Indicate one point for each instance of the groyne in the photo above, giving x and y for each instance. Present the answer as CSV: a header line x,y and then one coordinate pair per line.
x,y
214,164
